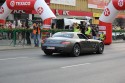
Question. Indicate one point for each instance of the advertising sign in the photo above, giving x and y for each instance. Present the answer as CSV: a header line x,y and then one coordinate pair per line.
x,y
72,13
64,2
102,28
21,4
97,4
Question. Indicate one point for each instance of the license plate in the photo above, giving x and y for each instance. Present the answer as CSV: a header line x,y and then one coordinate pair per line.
x,y
52,48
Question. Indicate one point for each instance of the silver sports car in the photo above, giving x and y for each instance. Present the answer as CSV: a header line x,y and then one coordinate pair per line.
x,y
73,43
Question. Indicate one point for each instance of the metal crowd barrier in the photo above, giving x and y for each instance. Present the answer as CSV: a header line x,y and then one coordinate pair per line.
x,y
18,36
15,37
118,35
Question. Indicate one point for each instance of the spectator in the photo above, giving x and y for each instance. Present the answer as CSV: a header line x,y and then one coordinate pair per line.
x,y
30,23
83,26
36,34
26,24
102,36
10,30
53,25
28,36
88,32
27,33
94,32
16,23
76,27
19,23
13,24
7,24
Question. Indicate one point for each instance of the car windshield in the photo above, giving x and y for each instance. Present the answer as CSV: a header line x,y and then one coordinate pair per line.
x,y
63,34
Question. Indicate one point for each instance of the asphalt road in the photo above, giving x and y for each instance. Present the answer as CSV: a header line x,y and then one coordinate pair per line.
x,y
32,66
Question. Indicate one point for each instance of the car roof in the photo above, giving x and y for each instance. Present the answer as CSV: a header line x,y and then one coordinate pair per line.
x,y
75,34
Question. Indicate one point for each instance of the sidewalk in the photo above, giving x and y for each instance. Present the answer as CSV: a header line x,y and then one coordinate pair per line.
x,y
8,45
17,47
118,41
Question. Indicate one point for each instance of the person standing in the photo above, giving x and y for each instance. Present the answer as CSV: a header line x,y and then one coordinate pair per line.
x,y
16,23
82,26
27,33
76,27
88,32
36,34
94,32
10,30
102,36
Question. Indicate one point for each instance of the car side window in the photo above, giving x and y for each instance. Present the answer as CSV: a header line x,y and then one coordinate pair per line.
x,y
65,35
81,36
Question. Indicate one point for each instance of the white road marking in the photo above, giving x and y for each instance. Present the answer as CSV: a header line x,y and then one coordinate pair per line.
x,y
76,65
13,58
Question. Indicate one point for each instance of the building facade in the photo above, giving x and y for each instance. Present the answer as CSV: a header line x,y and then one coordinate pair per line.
x,y
67,9
81,9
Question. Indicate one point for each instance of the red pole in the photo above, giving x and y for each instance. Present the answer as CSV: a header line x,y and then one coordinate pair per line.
x,y
46,26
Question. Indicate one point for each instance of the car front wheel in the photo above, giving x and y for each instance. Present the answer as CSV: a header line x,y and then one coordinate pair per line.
x,y
100,48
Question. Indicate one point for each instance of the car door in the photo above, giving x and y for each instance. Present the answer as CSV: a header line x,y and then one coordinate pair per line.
x,y
92,45
84,42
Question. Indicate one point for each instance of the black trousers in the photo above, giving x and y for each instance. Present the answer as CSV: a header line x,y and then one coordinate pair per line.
x,y
28,38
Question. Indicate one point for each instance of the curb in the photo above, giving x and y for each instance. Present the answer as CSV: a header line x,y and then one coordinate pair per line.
x,y
122,41
17,48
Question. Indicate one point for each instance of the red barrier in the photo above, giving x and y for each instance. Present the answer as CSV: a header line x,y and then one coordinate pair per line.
x,y
46,26
2,21
108,32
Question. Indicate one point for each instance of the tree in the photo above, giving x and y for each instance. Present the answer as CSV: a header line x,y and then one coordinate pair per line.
x,y
119,22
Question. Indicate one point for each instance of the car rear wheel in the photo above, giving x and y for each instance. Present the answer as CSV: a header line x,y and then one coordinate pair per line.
x,y
76,50
48,52
100,48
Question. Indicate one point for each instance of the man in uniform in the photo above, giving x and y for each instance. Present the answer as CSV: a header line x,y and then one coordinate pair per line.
x,y
102,36
88,32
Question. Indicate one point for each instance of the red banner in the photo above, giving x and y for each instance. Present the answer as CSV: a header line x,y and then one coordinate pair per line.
x,y
21,4
59,12
72,13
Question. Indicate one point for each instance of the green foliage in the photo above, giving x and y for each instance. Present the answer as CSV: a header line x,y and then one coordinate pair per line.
x,y
118,31
17,30
30,30
51,30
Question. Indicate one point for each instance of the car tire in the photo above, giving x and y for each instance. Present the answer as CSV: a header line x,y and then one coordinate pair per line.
x,y
100,48
48,52
76,50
